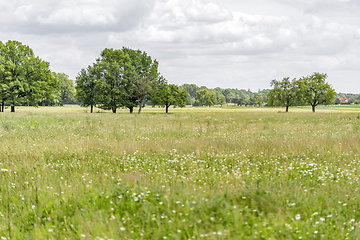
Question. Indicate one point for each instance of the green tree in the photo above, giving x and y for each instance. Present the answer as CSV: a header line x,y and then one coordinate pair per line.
x,y
238,98
67,90
352,99
247,102
66,93
3,85
191,89
143,80
209,99
238,101
227,94
258,100
119,78
87,86
169,94
146,86
26,78
221,100
115,79
264,94
200,95
284,93
315,91
206,97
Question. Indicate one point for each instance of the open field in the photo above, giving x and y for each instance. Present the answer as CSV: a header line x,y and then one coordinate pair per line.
x,y
197,173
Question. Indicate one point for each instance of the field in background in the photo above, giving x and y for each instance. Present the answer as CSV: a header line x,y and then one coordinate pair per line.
x,y
197,173
218,108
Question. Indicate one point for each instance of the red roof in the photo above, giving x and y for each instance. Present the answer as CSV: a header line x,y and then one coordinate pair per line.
x,y
344,99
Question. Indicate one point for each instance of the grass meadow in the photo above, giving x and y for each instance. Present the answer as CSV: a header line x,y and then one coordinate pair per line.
x,y
196,173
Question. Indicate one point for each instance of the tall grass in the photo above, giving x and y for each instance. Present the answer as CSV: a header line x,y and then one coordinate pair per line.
x,y
192,174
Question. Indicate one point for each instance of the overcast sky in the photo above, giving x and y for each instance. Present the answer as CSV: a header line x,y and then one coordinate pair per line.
x,y
215,43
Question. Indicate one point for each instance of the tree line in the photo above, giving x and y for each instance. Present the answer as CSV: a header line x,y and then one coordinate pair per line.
x,y
123,78
351,98
203,96
127,78
311,90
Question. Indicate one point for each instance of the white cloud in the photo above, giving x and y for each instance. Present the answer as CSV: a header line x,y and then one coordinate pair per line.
x,y
208,12
90,15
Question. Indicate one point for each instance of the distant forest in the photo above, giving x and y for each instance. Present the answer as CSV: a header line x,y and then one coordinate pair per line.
x,y
239,97
242,97
236,96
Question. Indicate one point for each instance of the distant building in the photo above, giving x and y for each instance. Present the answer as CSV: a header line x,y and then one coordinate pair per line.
x,y
344,100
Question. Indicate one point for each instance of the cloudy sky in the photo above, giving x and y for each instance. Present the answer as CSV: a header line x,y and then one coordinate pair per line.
x,y
216,43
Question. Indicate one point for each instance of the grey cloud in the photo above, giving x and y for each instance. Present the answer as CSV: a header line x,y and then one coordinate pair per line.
x,y
73,16
330,9
311,10
207,42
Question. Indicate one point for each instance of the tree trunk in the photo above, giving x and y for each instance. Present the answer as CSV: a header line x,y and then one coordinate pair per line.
x,y
167,109
113,110
12,108
2,106
131,110
91,111
141,104
313,108
287,108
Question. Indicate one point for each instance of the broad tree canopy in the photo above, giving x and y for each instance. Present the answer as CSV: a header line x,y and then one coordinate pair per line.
x,y
206,97
24,77
169,94
285,93
87,86
119,78
315,91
